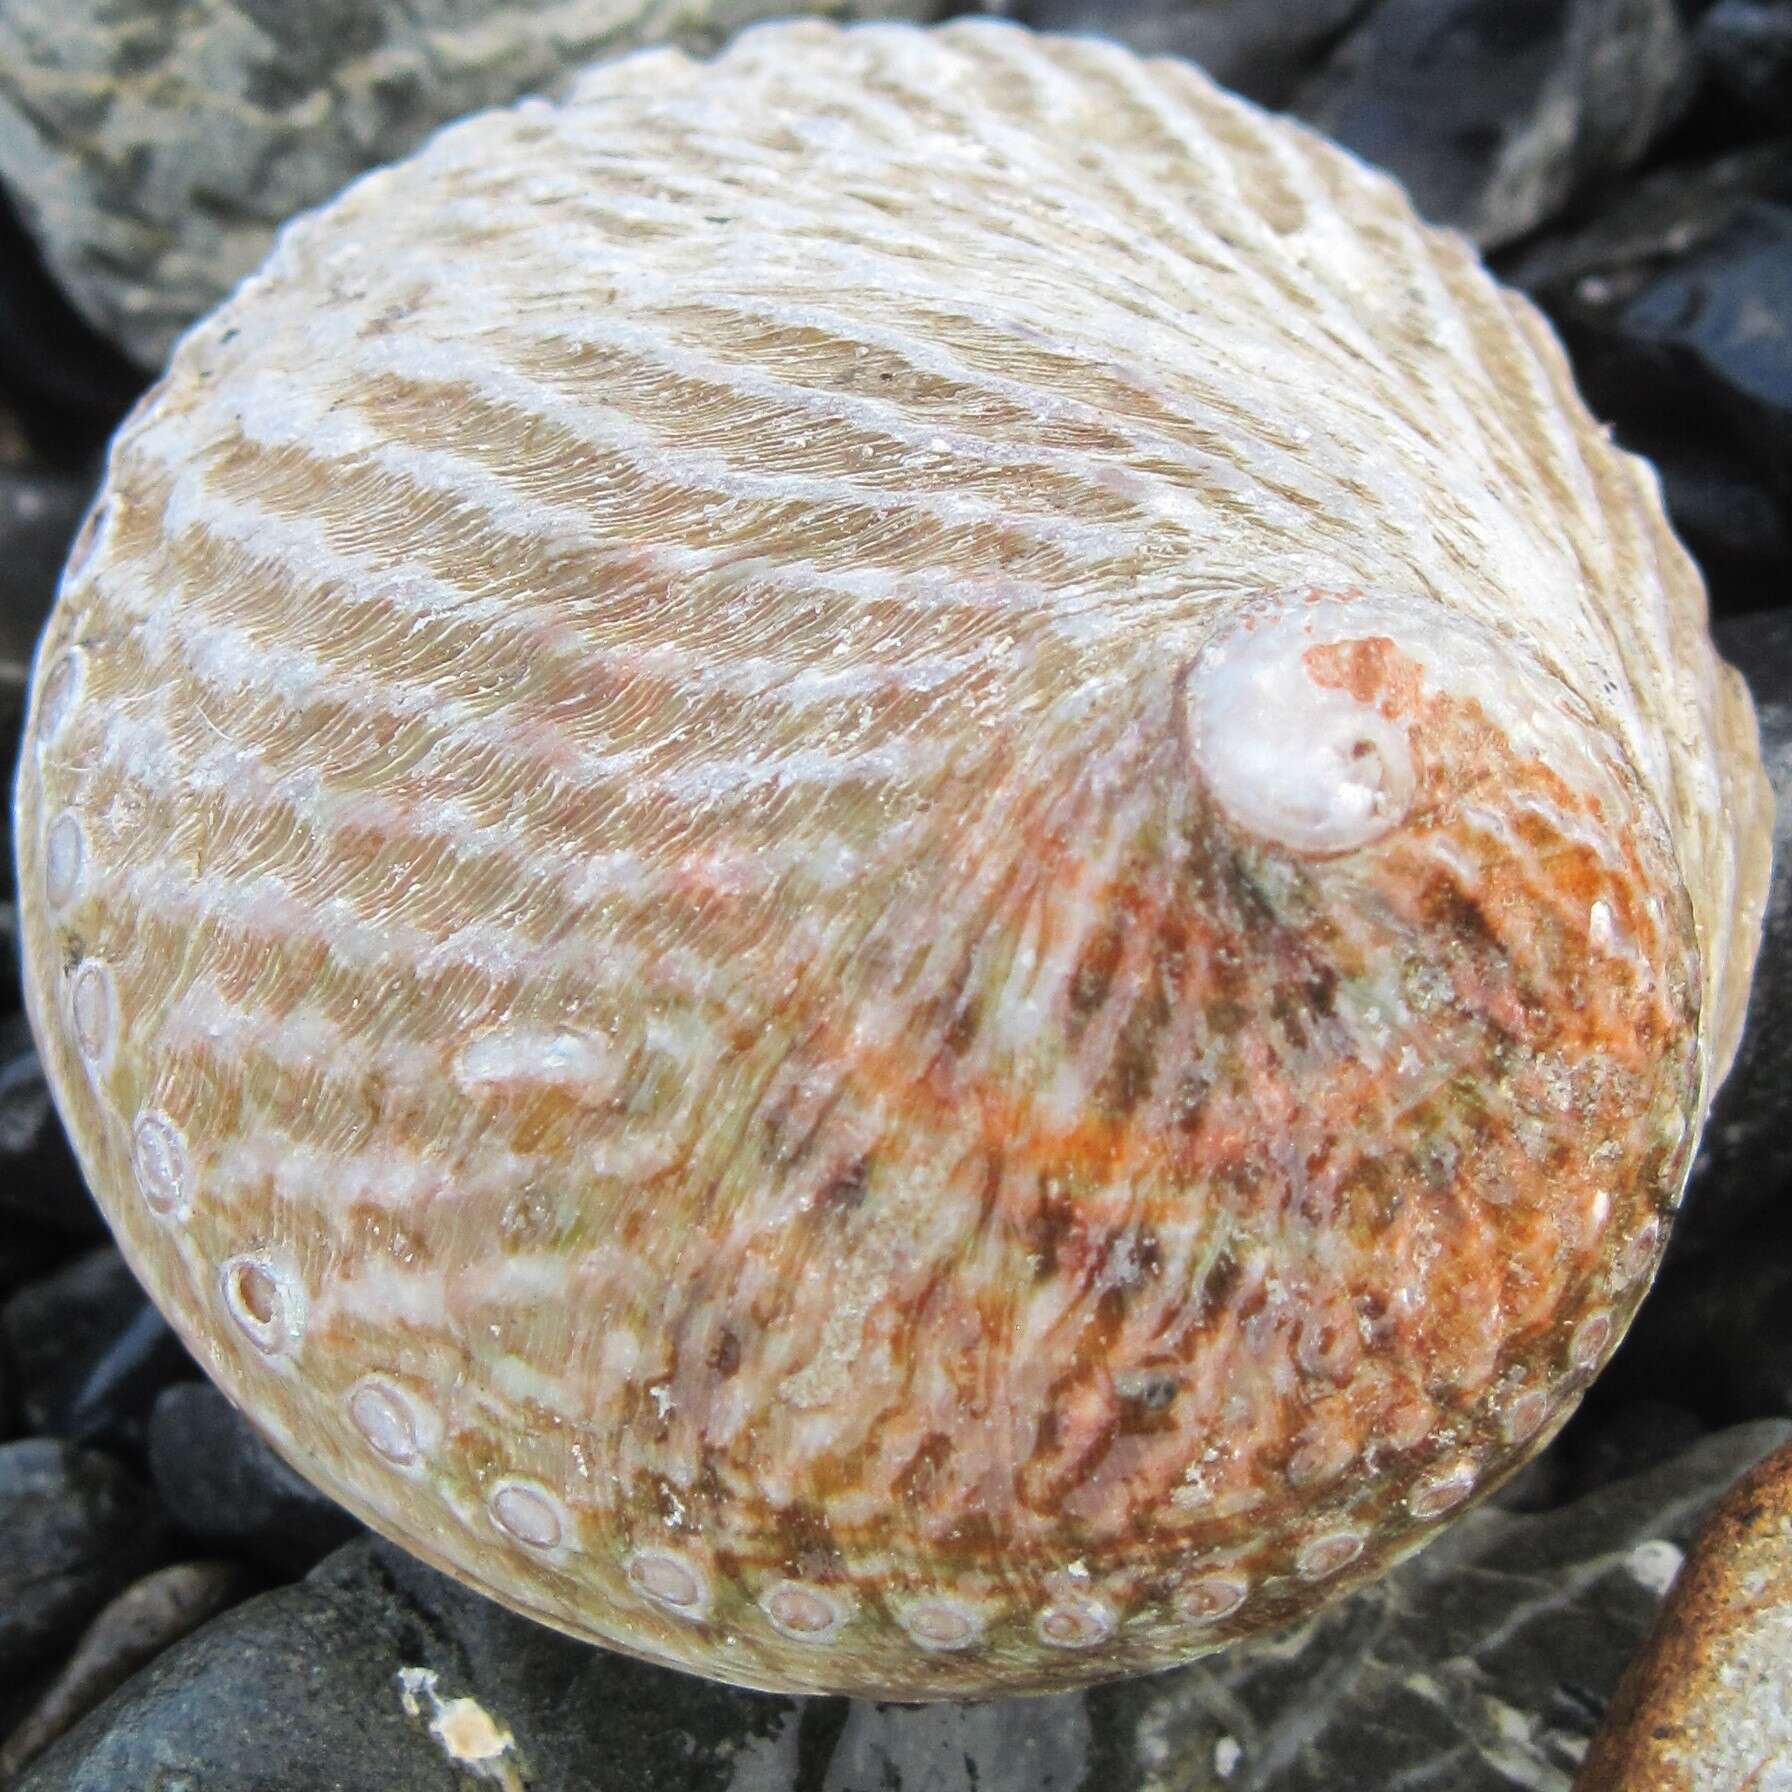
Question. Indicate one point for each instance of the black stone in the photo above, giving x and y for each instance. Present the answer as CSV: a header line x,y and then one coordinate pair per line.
x,y
1745,53
225,1486
28,1252
1675,303
1742,1176
1611,1440
1497,113
90,1353
334,1682
68,385
40,509
1263,51
1715,1334
75,1529
40,1183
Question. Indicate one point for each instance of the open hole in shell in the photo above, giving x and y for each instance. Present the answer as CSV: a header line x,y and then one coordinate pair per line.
x,y
266,1301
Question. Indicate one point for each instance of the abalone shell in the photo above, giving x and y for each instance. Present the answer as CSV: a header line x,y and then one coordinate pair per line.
x,y
894,866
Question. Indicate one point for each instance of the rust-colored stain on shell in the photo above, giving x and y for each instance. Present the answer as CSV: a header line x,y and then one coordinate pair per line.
x,y
1707,1704
892,867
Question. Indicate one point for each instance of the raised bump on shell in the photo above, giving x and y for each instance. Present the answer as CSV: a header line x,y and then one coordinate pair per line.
x,y
398,1427
941,1623
1288,759
1589,1339
87,538
1325,1555
804,1614
60,690
1524,1418
671,1580
1442,1490
93,1010
1075,1623
1212,1597
159,1162
1639,1253
527,1511
65,857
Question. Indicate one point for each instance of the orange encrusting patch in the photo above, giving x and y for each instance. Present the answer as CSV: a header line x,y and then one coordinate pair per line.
x,y
1532,1044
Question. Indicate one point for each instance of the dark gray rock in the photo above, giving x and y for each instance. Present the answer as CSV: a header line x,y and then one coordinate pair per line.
x,y
27,1252
351,1680
1479,1666
1676,306
224,1485
89,1352
1742,1175
1497,113
1716,1334
40,1183
40,509
1745,52
131,1631
1267,52
65,385
154,148
74,1530
1610,1439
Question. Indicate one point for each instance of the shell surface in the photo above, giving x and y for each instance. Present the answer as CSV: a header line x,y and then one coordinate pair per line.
x,y
891,867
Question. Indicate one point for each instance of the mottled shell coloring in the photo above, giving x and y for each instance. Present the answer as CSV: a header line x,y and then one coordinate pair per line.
x,y
894,866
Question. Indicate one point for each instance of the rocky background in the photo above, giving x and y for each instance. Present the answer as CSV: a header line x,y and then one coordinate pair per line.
x,y
179,1612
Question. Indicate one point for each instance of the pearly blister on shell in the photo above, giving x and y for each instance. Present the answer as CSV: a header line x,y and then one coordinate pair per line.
x,y
893,867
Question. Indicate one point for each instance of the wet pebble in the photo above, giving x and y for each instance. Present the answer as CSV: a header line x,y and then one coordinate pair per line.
x,y
40,1183
1497,114
1675,302
1716,1334
128,1633
75,1529
225,1486
1264,52
1745,51
89,1352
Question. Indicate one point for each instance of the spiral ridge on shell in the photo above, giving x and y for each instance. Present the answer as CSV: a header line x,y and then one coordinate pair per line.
x,y
893,866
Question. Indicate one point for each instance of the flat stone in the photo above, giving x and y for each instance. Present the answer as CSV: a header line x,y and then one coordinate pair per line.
x,y
1745,51
65,385
1715,1334
40,509
40,1182
1496,114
